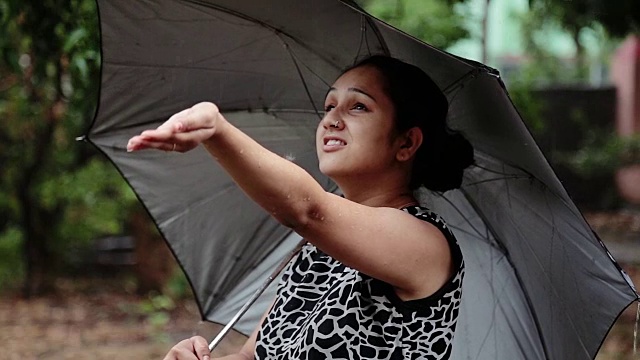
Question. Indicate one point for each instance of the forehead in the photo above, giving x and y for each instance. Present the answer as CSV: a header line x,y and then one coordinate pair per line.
x,y
363,77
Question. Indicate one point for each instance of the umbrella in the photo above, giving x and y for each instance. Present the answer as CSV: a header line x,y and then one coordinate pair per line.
x,y
539,284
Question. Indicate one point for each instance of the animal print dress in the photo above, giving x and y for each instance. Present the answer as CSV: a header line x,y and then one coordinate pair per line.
x,y
326,310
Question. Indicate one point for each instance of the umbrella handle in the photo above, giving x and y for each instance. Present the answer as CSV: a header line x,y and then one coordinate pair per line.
x,y
216,341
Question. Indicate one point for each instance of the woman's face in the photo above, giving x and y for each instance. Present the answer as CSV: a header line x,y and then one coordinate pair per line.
x,y
356,135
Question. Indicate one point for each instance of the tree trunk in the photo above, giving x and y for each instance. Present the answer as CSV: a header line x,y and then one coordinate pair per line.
x,y
37,223
581,61
485,32
38,260
154,262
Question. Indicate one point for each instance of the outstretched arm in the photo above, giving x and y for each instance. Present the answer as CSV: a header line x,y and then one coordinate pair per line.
x,y
384,243
276,184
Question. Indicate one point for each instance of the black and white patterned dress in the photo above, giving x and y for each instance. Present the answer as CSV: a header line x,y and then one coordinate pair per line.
x,y
326,310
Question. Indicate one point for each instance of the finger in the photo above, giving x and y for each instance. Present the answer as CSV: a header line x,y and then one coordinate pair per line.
x,y
166,133
135,144
174,123
182,351
141,141
200,116
181,354
142,144
157,134
201,347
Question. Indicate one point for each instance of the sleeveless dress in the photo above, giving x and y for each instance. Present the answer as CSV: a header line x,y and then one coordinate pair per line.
x,y
326,310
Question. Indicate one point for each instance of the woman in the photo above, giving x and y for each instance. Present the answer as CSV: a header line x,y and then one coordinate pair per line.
x,y
381,276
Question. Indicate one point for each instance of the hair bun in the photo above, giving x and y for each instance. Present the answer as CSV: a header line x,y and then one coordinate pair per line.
x,y
445,169
460,149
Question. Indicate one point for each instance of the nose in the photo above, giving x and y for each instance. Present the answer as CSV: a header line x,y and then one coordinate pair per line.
x,y
333,122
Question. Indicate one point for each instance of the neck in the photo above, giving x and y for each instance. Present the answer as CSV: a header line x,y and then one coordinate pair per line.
x,y
397,200
379,196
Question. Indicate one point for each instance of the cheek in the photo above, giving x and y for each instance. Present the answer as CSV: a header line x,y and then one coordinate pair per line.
x,y
381,136
319,135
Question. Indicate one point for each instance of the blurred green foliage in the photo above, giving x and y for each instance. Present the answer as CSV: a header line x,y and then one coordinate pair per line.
x,y
155,309
620,17
11,265
433,21
547,16
603,20
56,193
178,286
603,154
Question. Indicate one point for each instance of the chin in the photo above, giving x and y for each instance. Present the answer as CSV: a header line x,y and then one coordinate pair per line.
x,y
331,170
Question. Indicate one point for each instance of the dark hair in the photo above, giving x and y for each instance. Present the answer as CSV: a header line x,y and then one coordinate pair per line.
x,y
444,153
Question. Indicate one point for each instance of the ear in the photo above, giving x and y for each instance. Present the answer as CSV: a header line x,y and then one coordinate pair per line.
x,y
410,142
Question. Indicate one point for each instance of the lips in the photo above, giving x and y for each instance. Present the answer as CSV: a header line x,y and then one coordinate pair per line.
x,y
332,143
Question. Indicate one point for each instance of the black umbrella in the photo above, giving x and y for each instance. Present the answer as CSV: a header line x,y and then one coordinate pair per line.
x,y
539,284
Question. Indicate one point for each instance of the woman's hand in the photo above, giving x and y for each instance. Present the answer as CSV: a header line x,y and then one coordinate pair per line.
x,y
195,348
182,132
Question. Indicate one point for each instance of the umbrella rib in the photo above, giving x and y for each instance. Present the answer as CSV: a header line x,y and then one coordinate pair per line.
x,y
304,82
525,292
598,244
506,185
461,213
555,292
496,243
162,66
369,20
263,24
512,177
229,269
497,295
250,43
577,287
460,82
306,66
363,39
471,234
495,171
553,227
531,176
376,31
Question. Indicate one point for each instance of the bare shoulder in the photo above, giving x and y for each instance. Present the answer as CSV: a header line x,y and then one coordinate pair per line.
x,y
419,222
430,250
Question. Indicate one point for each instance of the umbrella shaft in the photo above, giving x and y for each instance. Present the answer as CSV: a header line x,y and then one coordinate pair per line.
x,y
216,341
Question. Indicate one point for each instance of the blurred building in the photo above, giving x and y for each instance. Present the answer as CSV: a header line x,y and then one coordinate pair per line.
x,y
505,45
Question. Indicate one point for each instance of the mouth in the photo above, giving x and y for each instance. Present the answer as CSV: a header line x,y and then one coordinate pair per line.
x,y
332,143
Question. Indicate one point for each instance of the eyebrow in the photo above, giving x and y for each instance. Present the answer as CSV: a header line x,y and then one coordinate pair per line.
x,y
353,89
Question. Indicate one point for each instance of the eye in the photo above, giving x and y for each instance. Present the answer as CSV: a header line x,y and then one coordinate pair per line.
x,y
359,107
328,108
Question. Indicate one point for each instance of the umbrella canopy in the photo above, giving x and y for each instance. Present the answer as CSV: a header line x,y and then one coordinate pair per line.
x,y
539,283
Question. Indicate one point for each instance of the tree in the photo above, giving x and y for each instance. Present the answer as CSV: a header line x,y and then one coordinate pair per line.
x,y
433,21
620,17
56,193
